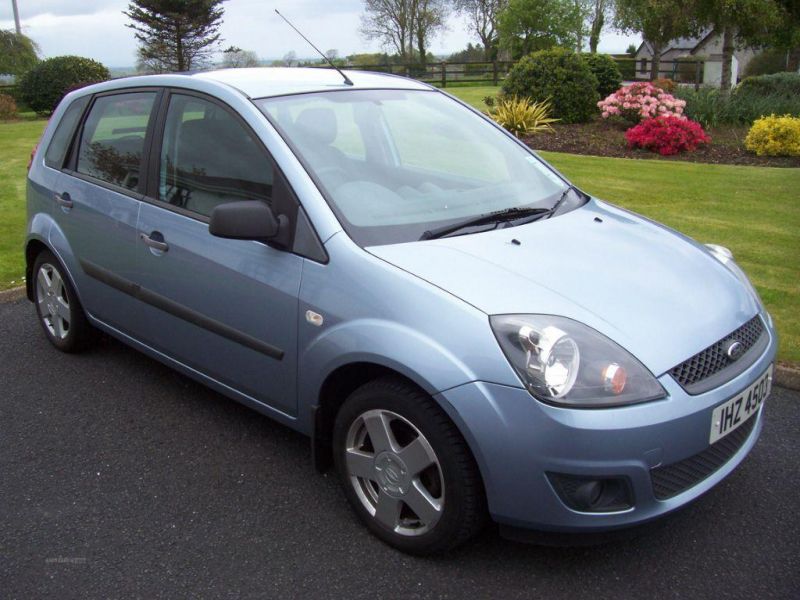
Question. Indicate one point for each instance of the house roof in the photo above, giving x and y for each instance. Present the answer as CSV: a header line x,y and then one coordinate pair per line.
x,y
690,44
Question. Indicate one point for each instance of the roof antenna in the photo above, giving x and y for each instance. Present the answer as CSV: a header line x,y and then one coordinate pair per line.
x,y
328,60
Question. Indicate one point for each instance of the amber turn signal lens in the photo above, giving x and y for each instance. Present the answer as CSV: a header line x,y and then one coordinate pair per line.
x,y
614,378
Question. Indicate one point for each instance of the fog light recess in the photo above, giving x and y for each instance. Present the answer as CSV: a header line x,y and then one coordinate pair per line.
x,y
592,494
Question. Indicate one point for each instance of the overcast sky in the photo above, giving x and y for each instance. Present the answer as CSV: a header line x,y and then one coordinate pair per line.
x,y
96,28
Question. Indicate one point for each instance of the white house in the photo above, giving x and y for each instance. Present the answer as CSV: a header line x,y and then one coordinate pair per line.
x,y
678,59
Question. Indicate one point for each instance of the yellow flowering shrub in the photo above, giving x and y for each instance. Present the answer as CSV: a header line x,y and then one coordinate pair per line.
x,y
522,116
774,136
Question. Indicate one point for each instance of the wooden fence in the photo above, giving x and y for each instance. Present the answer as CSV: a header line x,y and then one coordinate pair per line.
x,y
445,73
442,74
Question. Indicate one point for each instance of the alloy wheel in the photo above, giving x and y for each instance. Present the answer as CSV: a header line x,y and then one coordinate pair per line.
x,y
53,301
395,472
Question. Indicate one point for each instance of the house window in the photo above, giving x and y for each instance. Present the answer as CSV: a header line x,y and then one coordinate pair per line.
x,y
643,66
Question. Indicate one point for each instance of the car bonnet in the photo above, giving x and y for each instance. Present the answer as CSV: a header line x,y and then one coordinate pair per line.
x,y
657,293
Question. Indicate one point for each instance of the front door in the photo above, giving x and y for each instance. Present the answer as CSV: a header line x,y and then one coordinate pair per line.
x,y
226,308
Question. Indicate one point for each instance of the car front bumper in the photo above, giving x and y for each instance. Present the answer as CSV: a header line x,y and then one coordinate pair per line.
x,y
517,440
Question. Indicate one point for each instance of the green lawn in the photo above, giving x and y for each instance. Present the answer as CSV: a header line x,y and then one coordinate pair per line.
x,y
474,94
17,139
755,211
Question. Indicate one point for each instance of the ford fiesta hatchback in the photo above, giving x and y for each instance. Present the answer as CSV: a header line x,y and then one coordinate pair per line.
x,y
460,331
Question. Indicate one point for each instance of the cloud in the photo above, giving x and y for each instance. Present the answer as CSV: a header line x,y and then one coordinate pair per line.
x,y
28,9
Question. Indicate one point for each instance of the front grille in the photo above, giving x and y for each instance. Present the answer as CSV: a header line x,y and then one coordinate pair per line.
x,y
671,480
713,359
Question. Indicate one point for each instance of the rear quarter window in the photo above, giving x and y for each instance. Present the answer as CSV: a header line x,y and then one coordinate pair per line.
x,y
57,149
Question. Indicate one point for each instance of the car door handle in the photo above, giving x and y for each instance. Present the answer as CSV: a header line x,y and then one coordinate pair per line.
x,y
63,200
154,244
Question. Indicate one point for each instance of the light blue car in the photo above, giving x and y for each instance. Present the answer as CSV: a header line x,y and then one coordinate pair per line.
x,y
459,330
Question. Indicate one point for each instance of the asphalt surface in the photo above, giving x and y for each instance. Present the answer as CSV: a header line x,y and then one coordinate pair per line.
x,y
120,478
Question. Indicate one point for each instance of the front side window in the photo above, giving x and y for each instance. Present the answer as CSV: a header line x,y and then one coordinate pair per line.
x,y
113,137
396,164
208,157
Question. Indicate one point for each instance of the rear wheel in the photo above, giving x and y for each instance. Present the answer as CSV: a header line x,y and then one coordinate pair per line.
x,y
405,468
60,313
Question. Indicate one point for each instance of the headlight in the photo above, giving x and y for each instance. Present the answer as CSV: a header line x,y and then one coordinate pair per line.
x,y
725,256
564,362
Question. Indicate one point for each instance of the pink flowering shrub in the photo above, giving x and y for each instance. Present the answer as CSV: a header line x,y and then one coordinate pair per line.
x,y
667,135
640,101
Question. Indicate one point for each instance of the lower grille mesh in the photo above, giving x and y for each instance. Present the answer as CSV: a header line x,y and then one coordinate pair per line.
x,y
671,480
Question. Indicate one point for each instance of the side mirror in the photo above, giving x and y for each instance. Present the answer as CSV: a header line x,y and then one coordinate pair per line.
x,y
247,220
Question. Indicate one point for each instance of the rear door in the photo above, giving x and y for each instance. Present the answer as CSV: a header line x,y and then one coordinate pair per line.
x,y
227,308
98,197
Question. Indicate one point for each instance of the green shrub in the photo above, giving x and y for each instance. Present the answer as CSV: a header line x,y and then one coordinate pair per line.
x,y
627,68
774,136
609,78
743,106
559,75
45,84
780,84
8,108
766,62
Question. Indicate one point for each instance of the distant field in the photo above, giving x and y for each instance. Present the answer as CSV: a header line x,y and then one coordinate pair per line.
x,y
752,210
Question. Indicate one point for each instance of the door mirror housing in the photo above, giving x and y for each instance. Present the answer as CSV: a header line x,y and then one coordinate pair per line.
x,y
247,220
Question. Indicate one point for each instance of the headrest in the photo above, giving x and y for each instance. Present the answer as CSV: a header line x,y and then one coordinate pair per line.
x,y
318,124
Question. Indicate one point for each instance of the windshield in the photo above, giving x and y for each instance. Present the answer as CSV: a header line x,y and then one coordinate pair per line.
x,y
396,164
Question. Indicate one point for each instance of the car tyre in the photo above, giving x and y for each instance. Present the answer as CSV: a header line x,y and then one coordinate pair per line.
x,y
406,469
61,315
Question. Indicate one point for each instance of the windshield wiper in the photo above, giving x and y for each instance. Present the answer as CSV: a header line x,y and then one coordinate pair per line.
x,y
560,201
499,216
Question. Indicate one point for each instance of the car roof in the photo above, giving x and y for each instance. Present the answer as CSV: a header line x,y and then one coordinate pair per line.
x,y
260,82
278,81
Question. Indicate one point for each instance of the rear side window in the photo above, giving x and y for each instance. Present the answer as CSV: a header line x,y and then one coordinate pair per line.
x,y
113,136
57,149
208,158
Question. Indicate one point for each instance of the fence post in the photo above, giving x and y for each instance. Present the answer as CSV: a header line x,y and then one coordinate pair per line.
x,y
697,76
494,72
443,67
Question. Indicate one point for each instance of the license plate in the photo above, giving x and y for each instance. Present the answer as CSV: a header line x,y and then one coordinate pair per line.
x,y
730,415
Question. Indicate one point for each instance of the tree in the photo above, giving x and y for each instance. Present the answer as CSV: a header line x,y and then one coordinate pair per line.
x,y
469,54
175,35
427,19
631,50
583,9
737,21
236,58
659,21
403,25
600,9
786,36
390,22
289,59
529,25
482,18
18,53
